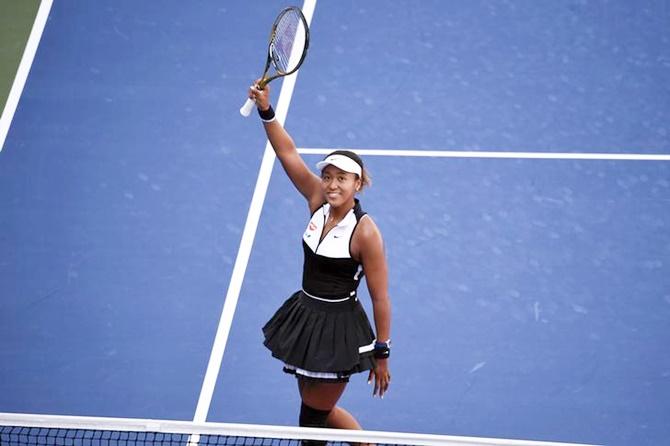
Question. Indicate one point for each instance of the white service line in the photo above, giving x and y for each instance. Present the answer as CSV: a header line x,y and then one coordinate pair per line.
x,y
490,154
240,267
24,69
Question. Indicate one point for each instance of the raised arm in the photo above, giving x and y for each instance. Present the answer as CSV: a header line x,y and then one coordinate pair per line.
x,y
306,181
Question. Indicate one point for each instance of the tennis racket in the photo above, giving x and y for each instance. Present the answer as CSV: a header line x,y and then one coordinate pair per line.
x,y
289,40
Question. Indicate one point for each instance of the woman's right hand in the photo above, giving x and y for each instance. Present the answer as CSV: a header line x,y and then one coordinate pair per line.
x,y
262,97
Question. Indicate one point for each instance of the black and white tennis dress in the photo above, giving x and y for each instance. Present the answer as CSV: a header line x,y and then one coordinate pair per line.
x,y
322,332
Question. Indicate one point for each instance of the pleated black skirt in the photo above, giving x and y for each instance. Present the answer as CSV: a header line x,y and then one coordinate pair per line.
x,y
321,340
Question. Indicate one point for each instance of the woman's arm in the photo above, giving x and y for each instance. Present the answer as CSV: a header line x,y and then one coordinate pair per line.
x,y
306,181
368,247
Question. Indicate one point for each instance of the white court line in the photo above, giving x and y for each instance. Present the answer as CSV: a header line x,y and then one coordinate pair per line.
x,y
240,267
490,154
24,69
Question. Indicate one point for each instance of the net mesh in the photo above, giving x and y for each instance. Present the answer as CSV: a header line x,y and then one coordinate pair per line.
x,y
48,430
290,32
36,436
24,436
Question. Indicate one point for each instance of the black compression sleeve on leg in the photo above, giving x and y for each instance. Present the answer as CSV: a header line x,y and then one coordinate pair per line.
x,y
311,417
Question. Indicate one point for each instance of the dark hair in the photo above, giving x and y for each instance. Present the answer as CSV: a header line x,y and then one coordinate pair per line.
x,y
366,180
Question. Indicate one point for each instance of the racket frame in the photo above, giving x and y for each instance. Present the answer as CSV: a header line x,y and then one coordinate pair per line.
x,y
248,106
265,79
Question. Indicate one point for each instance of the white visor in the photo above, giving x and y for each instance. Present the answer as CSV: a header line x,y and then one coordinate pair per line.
x,y
342,162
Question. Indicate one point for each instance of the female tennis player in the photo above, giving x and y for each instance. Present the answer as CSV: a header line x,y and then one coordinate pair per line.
x,y
321,332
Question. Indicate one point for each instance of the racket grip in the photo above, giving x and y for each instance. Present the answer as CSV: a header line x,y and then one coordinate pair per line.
x,y
247,107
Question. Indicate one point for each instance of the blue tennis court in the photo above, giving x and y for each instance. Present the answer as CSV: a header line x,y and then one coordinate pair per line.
x,y
520,155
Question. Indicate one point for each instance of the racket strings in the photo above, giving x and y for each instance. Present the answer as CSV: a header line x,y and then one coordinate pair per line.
x,y
287,34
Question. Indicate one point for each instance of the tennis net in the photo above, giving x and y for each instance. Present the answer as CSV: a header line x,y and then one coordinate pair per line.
x,y
53,430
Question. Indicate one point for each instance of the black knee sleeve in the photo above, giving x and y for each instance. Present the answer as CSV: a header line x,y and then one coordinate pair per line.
x,y
311,417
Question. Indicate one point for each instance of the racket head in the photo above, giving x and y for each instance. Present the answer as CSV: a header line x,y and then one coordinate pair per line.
x,y
289,41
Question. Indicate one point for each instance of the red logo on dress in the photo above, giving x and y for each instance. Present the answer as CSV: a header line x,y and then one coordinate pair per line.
x,y
312,226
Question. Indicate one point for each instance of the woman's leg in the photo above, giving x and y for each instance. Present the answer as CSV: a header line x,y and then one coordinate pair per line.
x,y
320,395
324,396
341,419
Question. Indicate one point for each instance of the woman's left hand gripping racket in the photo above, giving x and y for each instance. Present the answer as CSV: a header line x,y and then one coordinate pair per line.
x,y
289,40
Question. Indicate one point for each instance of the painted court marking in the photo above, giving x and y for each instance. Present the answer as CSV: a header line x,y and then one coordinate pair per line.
x,y
494,154
24,69
240,267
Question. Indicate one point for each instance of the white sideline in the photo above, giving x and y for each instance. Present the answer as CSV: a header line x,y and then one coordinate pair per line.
x,y
240,267
23,70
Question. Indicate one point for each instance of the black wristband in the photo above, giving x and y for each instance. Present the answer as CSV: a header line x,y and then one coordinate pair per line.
x,y
267,115
382,350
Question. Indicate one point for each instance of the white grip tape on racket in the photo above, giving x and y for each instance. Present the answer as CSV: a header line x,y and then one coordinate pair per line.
x,y
247,107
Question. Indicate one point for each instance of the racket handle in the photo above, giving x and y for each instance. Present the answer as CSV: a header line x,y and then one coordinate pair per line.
x,y
247,107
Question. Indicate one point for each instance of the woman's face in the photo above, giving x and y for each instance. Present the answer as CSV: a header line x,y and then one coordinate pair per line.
x,y
339,187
